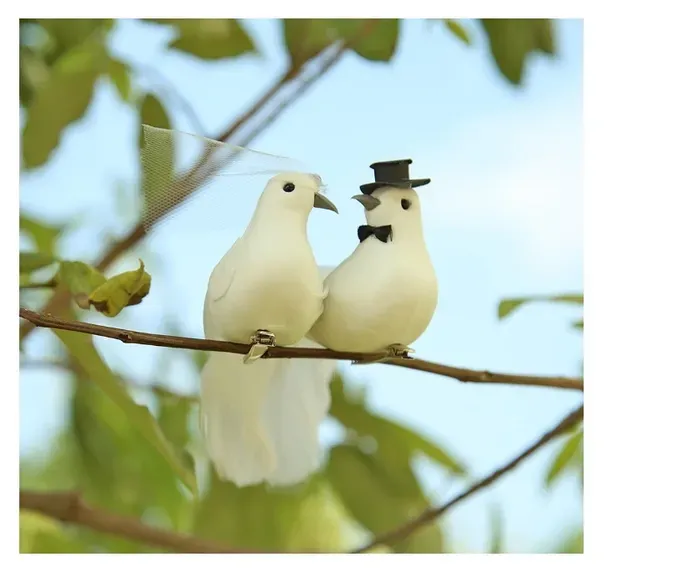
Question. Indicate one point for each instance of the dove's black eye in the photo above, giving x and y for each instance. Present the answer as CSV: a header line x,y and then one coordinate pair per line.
x,y
405,203
288,187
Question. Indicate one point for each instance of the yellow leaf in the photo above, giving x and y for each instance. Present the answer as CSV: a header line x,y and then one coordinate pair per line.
x,y
120,291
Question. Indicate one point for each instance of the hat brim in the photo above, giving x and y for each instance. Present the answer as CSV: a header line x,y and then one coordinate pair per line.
x,y
369,188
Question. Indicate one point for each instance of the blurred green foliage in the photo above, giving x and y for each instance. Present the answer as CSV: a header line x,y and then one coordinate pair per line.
x,y
569,457
509,305
148,462
512,39
61,60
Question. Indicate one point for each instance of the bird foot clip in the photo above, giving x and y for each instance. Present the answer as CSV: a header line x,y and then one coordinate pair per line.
x,y
260,343
395,351
400,351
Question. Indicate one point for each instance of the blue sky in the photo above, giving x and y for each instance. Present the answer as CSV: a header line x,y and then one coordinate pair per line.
x,y
502,217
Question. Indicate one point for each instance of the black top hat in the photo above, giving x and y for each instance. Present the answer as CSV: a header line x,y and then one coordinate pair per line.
x,y
392,173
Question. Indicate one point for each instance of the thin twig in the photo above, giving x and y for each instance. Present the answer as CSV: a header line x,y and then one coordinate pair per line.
x,y
141,338
332,59
69,507
431,514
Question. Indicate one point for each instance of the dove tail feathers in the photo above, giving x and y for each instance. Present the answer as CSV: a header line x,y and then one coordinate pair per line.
x,y
233,395
298,402
260,421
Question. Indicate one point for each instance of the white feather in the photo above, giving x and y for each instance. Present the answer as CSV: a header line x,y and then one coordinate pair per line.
x,y
232,403
297,402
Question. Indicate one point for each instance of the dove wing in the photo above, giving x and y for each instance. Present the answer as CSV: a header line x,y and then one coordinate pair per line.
x,y
220,282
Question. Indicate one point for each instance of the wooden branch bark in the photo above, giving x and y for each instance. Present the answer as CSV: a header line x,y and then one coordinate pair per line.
x,y
69,507
431,514
141,338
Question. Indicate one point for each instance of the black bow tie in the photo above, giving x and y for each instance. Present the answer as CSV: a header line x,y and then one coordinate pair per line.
x,y
382,233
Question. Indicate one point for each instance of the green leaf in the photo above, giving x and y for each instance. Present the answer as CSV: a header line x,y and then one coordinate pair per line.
x,y
509,305
578,325
61,100
81,280
374,500
571,544
512,40
57,542
372,39
570,298
570,456
67,33
458,30
53,471
39,534
429,539
153,113
496,541
255,517
358,481
120,291
306,37
30,261
83,351
420,444
199,359
45,236
390,436
505,307
210,38
33,73
119,470
174,418
120,77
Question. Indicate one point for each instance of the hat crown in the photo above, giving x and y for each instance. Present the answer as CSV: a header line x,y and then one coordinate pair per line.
x,y
392,173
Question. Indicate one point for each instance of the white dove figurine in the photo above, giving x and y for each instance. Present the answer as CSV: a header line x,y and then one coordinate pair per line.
x,y
384,295
381,297
266,290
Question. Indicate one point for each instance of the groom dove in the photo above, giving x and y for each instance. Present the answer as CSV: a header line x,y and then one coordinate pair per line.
x,y
384,295
260,419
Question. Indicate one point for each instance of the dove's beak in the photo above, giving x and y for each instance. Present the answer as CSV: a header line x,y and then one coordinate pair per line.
x,y
320,201
369,202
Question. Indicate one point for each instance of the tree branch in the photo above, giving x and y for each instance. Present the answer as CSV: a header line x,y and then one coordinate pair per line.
x,y
61,297
332,59
69,507
432,514
141,338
